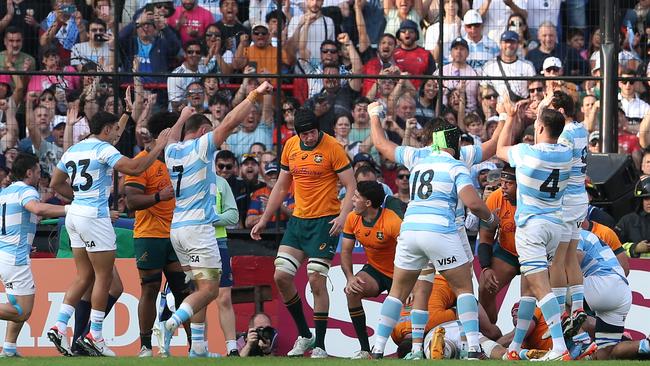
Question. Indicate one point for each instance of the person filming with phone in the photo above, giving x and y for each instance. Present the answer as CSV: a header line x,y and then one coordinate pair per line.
x,y
63,27
98,49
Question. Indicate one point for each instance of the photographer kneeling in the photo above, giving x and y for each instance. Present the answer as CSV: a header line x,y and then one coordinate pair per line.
x,y
260,339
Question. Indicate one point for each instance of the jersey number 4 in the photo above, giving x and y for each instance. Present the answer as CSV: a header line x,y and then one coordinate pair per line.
x,y
422,185
83,164
550,185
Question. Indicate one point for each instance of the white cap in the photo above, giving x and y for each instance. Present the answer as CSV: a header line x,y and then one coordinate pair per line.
x,y
264,25
551,62
472,16
596,66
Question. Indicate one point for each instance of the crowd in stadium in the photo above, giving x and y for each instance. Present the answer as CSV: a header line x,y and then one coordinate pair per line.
x,y
492,169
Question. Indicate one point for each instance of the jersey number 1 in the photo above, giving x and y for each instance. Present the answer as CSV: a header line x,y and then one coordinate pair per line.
x,y
422,184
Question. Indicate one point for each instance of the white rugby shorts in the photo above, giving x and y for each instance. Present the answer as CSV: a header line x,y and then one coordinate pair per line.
x,y
17,280
416,248
196,246
94,234
536,242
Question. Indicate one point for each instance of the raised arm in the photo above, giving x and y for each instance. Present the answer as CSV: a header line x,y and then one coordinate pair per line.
x,y
489,147
72,117
379,139
234,117
138,165
505,140
364,39
30,121
11,138
355,59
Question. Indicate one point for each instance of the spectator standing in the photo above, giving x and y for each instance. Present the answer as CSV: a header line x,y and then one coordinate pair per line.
x,y
495,14
13,55
410,57
315,26
260,198
98,49
400,11
509,64
190,20
481,48
177,86
63,27
382,60
452,26
460,67
26,16
153,49
230,26
548,47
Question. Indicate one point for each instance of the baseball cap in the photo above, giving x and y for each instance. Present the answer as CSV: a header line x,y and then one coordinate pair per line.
x,y
594,136
247,157
596,66
509,36
472,16
551,62
257,25
57,122
272,167
361,157
459,42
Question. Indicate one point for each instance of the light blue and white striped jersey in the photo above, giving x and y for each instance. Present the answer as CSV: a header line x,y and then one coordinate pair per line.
x,y
192,172
599,259
576,136
18,224
469,155
542,176
89,164
435,181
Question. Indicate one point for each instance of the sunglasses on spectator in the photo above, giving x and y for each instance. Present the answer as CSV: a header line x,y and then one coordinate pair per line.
x,y
195,91
329,50
473,25
193,52
403,176
552,69
491,96
627,82
633,121
216,35
536,90
286,110
140,25
224,166
260,33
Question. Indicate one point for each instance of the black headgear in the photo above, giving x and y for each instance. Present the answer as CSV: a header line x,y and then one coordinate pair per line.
x,y
642,188
446,136
305,120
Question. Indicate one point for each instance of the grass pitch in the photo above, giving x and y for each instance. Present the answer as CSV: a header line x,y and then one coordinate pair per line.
x,y
258,361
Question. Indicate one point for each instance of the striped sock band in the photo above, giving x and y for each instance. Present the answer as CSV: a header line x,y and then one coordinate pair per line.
x,y
524,318
388,317
468,315
96,323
